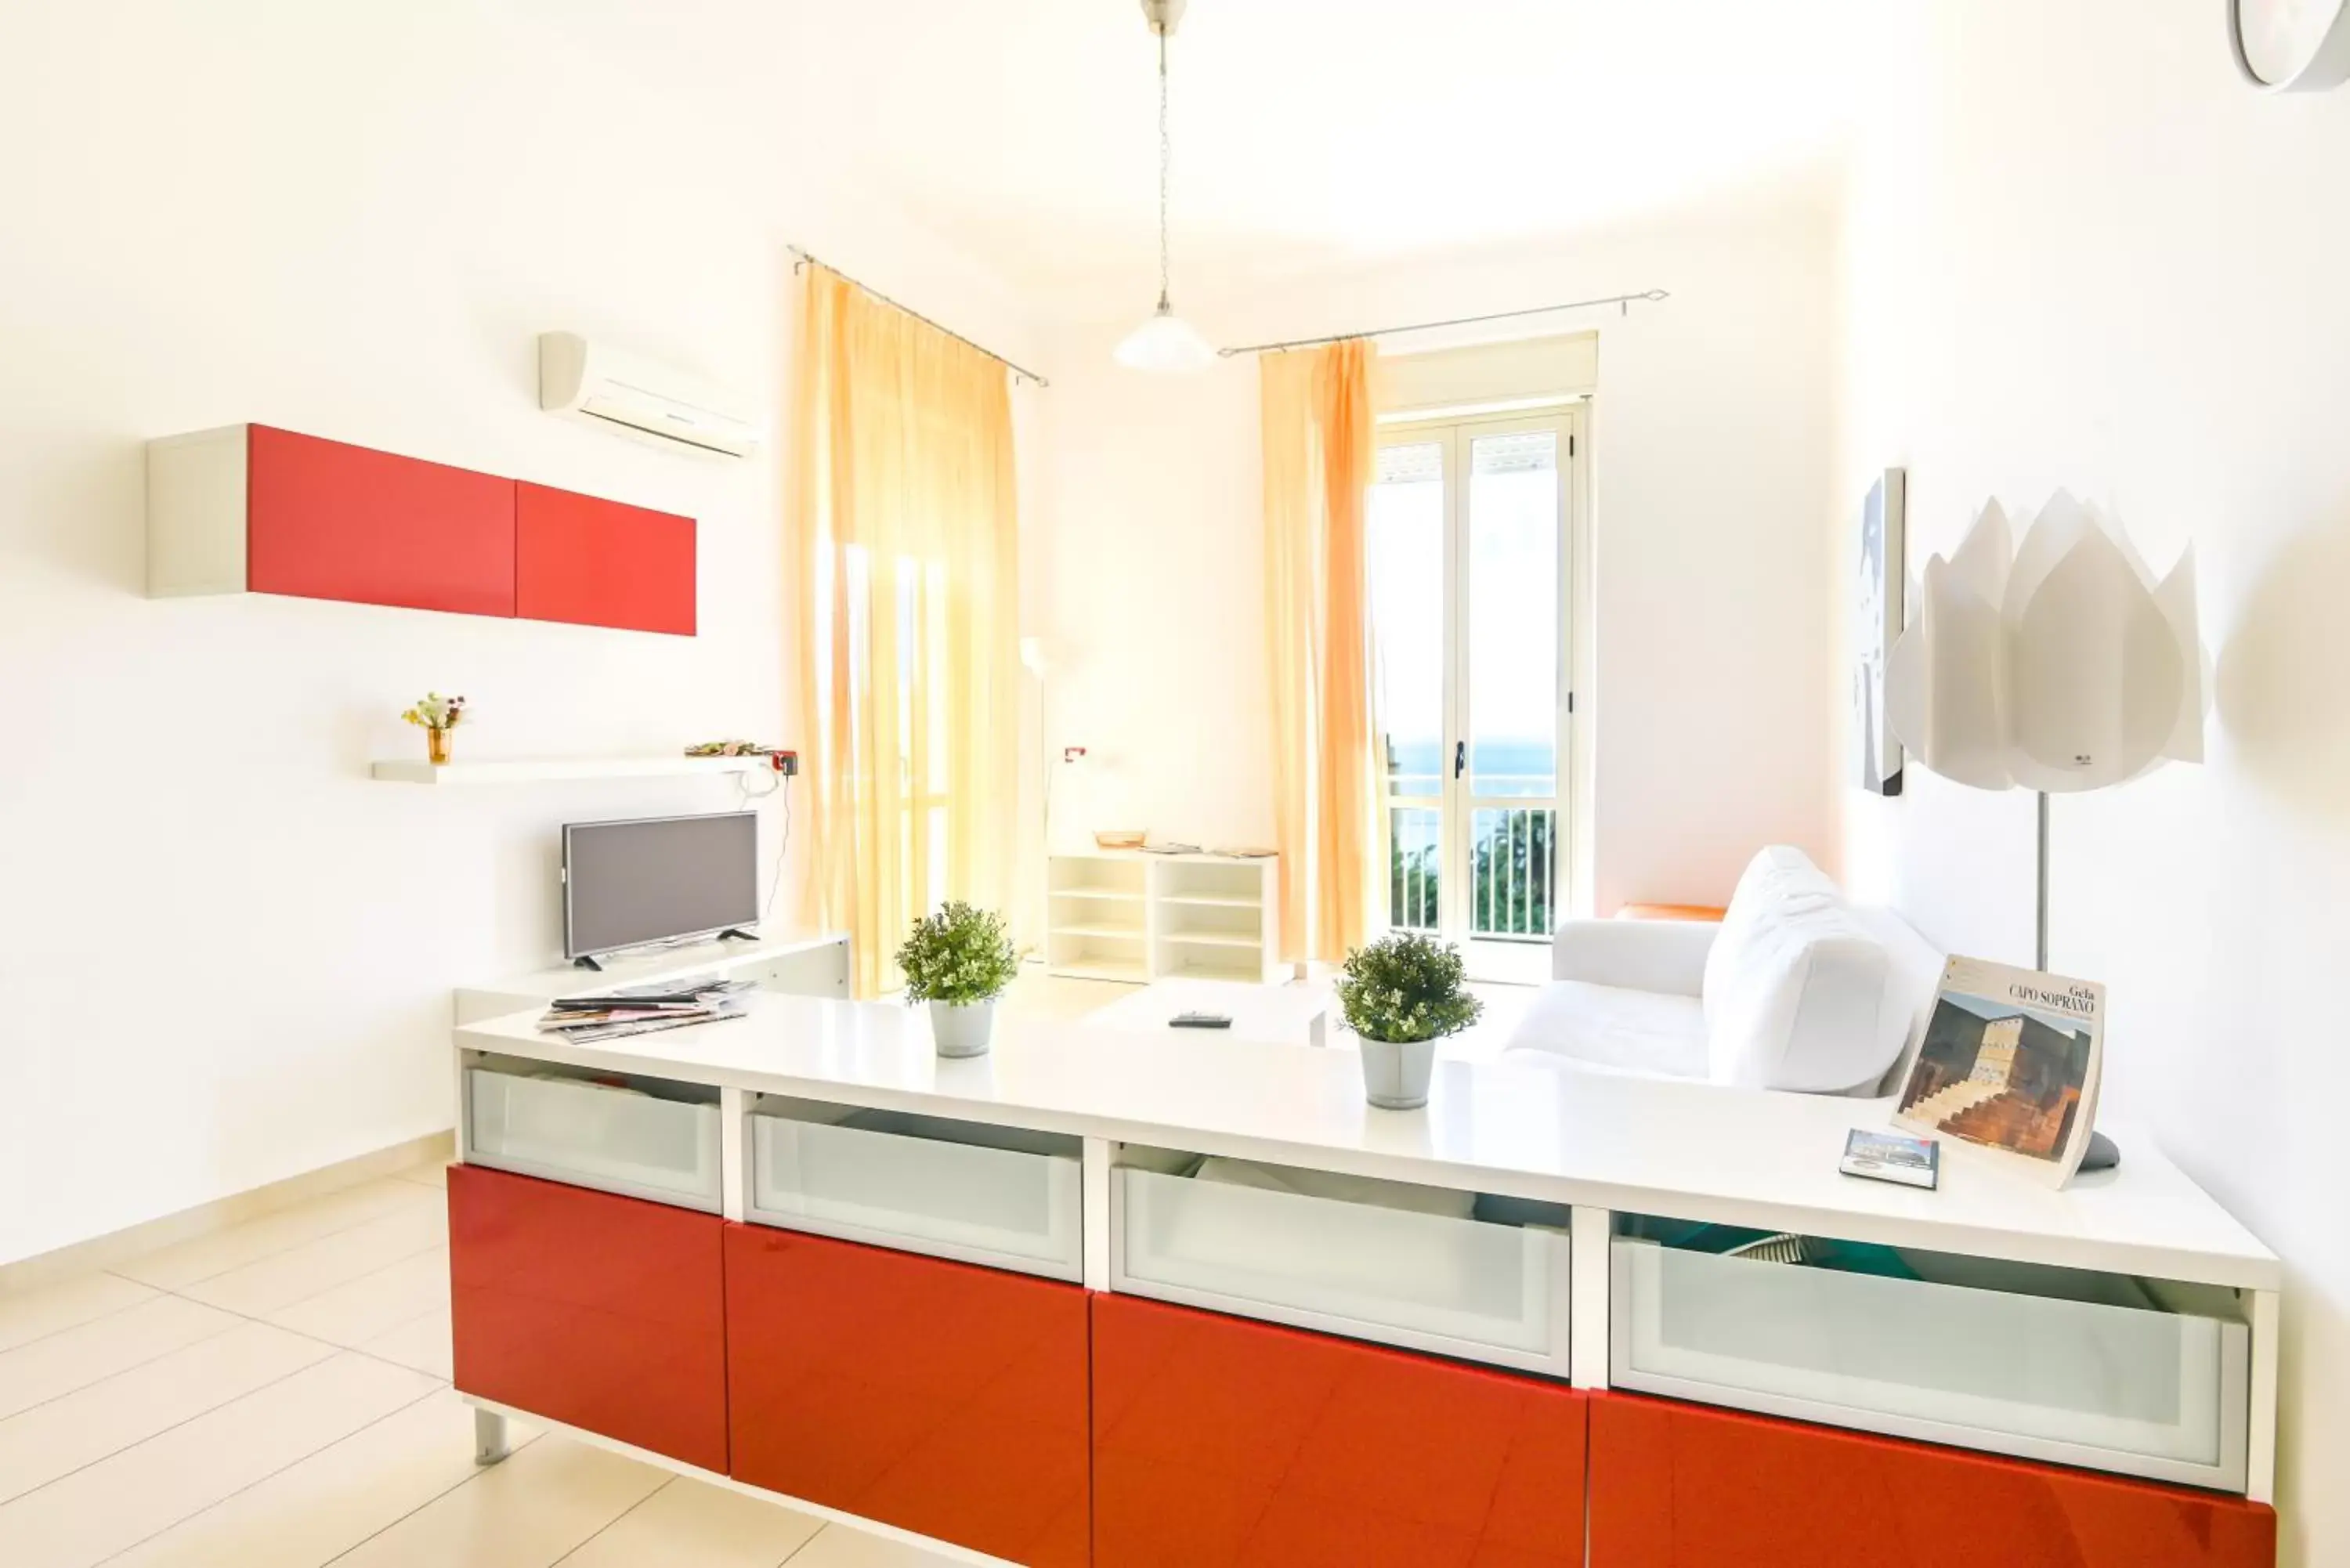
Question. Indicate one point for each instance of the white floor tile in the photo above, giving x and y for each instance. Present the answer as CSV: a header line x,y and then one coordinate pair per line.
x,y
422,1342
839,1546
527,1512
373,1303
304,1270
47,1441
693,1524
313,1512
206,1256
77,1358
433,1173
31,1314
120,1501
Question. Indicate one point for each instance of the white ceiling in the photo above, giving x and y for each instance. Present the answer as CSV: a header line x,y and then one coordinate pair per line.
x,y
1308,133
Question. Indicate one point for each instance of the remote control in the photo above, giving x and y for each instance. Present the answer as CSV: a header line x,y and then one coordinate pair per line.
x,y
1201,1021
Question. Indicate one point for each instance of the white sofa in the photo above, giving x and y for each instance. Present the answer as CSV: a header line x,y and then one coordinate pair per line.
x,y
1794,989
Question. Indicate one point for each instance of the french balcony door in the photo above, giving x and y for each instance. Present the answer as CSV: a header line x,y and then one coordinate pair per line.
x,y
1469,554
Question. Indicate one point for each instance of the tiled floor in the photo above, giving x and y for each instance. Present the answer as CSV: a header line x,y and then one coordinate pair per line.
x,y
276,1396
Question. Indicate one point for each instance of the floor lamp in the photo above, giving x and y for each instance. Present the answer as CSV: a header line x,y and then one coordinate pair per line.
x,y
1036,655
2058,664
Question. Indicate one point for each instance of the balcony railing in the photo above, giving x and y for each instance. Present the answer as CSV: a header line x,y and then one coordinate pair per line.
x,y
1415,858
1512,871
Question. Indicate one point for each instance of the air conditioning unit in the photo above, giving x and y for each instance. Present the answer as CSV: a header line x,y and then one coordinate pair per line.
x,y
576,376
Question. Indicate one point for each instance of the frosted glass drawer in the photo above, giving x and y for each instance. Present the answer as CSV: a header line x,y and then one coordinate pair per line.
x,y
1464,1287
2134,1389
642,1143
1000,1196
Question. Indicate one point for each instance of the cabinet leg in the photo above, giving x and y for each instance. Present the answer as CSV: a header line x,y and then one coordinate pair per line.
x,y
489,1438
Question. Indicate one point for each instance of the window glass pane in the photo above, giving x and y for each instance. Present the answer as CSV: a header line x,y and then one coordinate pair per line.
x,y
1406,544
1513,628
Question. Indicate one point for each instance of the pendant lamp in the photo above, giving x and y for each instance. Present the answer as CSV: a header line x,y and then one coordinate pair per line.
x,y
1164,342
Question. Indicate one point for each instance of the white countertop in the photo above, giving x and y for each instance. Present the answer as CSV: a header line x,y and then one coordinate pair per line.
x,y
1689,1150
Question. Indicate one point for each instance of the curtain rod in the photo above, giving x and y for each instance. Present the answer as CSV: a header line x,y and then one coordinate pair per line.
x,y
802,258
1623,301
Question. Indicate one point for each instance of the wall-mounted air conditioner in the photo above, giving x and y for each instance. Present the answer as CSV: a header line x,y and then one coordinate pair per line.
x,y
576,376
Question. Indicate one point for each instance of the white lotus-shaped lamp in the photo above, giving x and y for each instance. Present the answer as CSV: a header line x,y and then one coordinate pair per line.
x,y
2058,666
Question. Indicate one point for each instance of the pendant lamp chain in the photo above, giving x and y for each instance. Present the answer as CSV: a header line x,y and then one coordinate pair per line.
x,y
1166,156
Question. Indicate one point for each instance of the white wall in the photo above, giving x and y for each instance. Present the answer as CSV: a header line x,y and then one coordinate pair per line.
x,y
2082,253
1152,560
227,955
1712,441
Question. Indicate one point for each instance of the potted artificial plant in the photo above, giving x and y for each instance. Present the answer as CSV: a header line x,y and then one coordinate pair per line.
x,y
1400,995
959,961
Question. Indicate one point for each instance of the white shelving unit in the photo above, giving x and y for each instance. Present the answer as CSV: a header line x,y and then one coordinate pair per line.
x,y
416,769
1129,915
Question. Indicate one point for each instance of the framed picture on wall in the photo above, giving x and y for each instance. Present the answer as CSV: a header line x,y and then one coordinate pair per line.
x,y
1879,607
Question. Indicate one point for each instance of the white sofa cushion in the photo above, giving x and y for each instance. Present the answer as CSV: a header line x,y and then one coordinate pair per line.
x,y
1800,992
1779,881
1615,1027
1913,979
1639,955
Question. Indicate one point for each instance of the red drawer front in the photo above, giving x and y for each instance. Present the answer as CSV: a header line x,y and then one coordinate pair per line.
x,y
1682,1485
599,563
1221,1441
326,521
936,1396
594,1310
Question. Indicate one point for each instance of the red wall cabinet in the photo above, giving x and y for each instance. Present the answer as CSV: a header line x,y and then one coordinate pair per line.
x,y
598,1310
937,1397
326,521
599,563
250,509
1685,1485
1224,1443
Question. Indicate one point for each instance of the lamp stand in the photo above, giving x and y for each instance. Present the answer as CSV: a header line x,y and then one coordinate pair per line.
x,y
2103,1153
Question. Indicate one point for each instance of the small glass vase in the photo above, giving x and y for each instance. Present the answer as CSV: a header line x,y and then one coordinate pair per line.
x,y
436,746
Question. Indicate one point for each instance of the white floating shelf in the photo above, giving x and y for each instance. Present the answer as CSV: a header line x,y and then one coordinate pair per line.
x,y
415,770
1119,933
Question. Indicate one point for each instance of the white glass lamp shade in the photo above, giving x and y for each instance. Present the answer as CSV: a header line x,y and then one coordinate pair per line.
x,y
2066,669
1165,343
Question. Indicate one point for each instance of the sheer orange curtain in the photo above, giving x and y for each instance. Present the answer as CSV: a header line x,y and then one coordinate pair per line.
x,y
903,547
1318,457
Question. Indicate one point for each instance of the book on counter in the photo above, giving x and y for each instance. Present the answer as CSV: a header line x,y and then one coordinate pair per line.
x,y
642,1009
1892,1157
2009,1067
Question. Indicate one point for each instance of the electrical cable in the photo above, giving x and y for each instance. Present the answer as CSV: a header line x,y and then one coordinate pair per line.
x,y
776,878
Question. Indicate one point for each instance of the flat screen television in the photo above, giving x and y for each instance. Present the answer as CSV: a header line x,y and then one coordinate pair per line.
x,y
658,879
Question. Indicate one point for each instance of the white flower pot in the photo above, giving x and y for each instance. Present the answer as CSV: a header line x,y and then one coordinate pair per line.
x,y
1396,1071
961,1028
